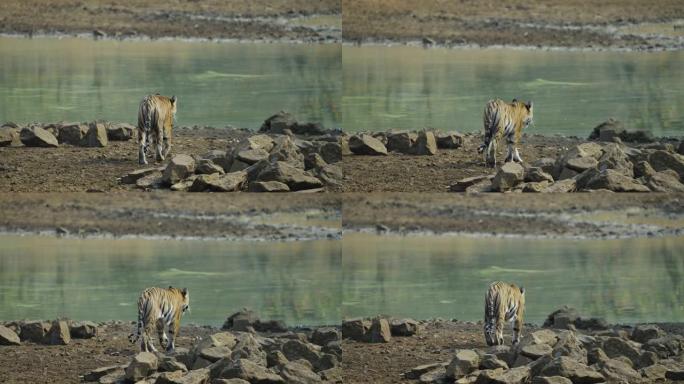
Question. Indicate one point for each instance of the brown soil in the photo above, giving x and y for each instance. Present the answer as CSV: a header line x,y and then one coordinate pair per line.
x,y
242,19
37,363
599,215
562,23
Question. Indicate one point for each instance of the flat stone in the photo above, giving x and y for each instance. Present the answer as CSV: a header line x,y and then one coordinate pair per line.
x,y
142,365
464,362
364,144
59,333
180,167
380,331
425,144
267,186
8,336
208,167
229,182
133,176
562,186
509,175
37,137
463,184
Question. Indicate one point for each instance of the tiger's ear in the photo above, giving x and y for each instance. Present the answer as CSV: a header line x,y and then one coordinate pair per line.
x,y
184,291
529,105
173,99
522,291
514,100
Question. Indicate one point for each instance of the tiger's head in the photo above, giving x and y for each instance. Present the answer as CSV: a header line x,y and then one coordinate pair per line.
x,y
523,111
184,297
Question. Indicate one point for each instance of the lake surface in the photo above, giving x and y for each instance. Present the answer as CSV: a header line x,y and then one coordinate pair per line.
x,y
241,84
633,280
412,88
94,279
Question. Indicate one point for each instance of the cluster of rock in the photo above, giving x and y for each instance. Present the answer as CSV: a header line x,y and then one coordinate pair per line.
x,y
272,161
589,166
57,332
378,329
239,355
569,349
92,134
410,143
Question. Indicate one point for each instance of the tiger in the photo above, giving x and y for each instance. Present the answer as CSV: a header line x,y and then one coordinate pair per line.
x,y
155,117
159,307
503,302
507,120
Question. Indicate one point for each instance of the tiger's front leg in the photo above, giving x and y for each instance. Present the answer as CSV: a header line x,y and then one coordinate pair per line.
x,y
174,327
516,156
517,329
167,146
163,339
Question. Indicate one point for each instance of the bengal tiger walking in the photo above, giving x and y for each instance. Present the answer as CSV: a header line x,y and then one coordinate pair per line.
x,y
155,118
503,302
504,120
160,308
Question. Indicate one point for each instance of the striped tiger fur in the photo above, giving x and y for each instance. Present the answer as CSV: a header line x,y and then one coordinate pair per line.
x,y
160,308
503,302
155,118
504,120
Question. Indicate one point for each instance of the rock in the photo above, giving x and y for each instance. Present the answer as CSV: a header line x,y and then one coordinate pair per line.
x,y
37,137
561,318
314,161
96,136
596,355
184,185
402,142
593,323
638,136
567,173
355,329
267,186
666,181
237,165
364,144
615,158
502,352
675,373
618,371
508,176
9,136
116,377
449,140
223,339
616,347
249,348
463,184
251,156
581,164
83,329
664,160
219,158
229,182
170,364
264,142
492,362
279,123
542,336
643,169
120,132
568,345
516,375
34,331
664,347
550,380
535,187
180,167
464,362
208,167
331,152
142,365
296,179
59,333
286,150
151,181
297,349
324,335
537,174
644,332
480,187
330,174
229,381
241,320
535,351
296,373
425,144
577,372
8,337
416,372
251,372
615,181
276,359
344,145
612,128
197,376
96,374
214,354
547,164
654,373
73,133
379,331
403,327
133,176
437,375
646,359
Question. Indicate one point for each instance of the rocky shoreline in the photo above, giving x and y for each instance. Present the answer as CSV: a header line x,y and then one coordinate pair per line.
x,y
245,349
567,348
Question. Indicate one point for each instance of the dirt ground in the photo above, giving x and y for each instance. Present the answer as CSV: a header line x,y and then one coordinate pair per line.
x,y
37,363
558,23
237,19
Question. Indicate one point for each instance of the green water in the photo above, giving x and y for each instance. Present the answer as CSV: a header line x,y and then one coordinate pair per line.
x,y
217,84
93,279
411,88
634,280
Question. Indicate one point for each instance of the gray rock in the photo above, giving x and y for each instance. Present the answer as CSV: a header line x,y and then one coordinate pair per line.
x,y
276,359
297,373
551,380
403,327
402,142
248,348
492,362
463,184
664,347
344,145
237,165
509,175
581,164
8,337
644,332
619,371
73,133
675,373
229,182
214,354
654,373
567,173
464,362
59,333
142,365
251,372
616,347
220,158
208,167
535,351
646,359
355,329
34,331
425,144
229,381
666,181
185,184
267,186
537,174
331,152
324,335
120,132
577,372
96,136
314,161
364,144
8,136
614,181
596,355
535,187
180,167
642,169
437,375
568,345
330,174
170,364
547,164
615,158
96,374
611,127
241,320
451,140
251,156
379,331
286,150
132,177
297,349
151,181
37,137
561,318
280,123
83,329
296,179
416,372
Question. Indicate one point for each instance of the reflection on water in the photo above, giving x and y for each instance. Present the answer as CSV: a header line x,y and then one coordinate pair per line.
x,y
411,88
630,280
217,84
43,278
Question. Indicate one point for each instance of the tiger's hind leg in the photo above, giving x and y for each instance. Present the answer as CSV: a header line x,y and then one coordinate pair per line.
x,y
516,156
142,146
159,141
163,340
491,153
509,153
174,327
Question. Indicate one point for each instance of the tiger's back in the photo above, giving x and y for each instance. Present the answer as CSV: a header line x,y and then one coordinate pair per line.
x,y
503,302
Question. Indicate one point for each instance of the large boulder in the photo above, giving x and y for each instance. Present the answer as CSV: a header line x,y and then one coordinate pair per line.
x,y
508,176
615,181
37,137
34,331
331,152
664,160
267,186
120,132
425,144
379,331
8,337
8,136
644,332
355,329
134,176
142,365
251,156
297,349
241,320
607,130
463,184
464,362
615,158
618,371
73,133
295,178
577,372
286,150
666,181
229,182
364,144
324,335
403,327
616,347
83,330
96,136
208,167
281,123
297,373
451,140
537,174
180,167
401,142
251,372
